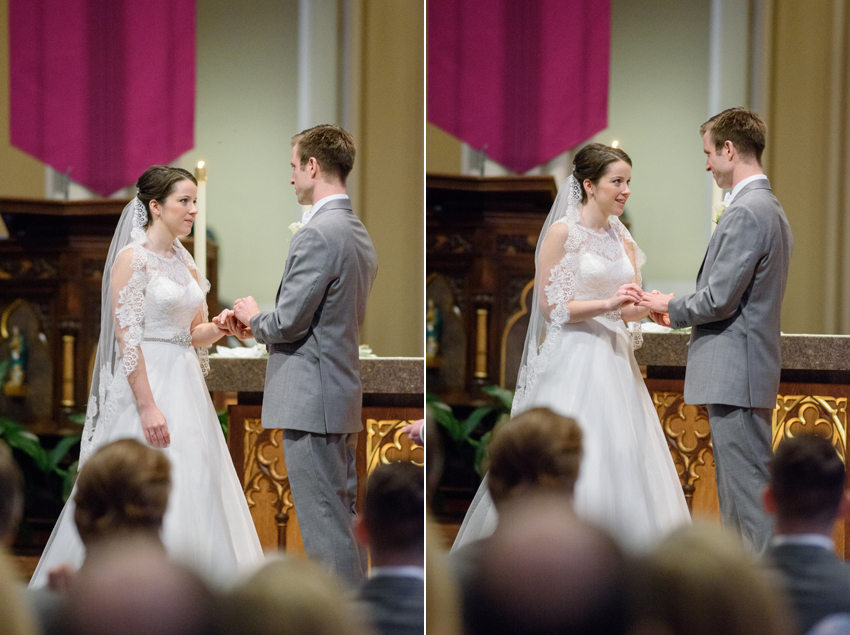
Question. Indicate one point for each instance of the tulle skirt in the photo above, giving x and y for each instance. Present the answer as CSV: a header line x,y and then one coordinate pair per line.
x,y
207,525
627,482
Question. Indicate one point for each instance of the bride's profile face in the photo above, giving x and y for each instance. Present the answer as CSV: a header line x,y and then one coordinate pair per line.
x,y
179,211
612,191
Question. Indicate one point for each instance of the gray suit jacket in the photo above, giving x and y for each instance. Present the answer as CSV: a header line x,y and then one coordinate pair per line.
x,y
815,579
313,373
396,604
734,356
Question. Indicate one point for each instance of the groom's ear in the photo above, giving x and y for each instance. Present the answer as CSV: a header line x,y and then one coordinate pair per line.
x,y
729,149
313,167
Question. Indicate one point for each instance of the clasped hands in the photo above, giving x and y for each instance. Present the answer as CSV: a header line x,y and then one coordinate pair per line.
x,y
656,302
235,321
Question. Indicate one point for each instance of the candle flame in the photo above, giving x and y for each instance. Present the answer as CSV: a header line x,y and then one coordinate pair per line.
x,y
615,144
201,163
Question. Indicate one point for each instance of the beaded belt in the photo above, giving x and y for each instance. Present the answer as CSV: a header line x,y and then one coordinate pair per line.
x,y
181,339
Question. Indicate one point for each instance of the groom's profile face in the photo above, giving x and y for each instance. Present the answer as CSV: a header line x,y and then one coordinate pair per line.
x,y
301,179
716,162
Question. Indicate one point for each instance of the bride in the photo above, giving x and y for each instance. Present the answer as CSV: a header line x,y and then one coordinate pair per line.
x,y
578,360
148,384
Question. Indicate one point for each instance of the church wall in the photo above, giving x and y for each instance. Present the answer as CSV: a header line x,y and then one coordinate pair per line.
x,y
808,158
392,166
246,113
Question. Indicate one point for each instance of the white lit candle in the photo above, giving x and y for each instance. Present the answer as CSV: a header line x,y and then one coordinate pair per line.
x,y
201,221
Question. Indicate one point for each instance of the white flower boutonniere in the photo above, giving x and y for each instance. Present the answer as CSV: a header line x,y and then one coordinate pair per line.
x,y
717,211
294,227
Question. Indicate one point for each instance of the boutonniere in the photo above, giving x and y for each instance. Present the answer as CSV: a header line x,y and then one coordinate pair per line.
x,y
717,211
294,227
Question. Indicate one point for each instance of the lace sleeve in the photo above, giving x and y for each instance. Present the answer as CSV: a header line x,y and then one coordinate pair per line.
x,y
559,263
128,300
186,257
638,259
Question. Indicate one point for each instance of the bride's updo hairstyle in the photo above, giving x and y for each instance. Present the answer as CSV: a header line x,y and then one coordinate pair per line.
x,y
157,183
592,163
123,488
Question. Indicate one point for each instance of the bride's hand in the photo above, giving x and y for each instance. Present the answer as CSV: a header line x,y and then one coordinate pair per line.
x,y
155,427
630,293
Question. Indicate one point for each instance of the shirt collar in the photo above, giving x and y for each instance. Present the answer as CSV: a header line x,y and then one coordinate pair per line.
x,y
805,540
737,189
403,572
306,216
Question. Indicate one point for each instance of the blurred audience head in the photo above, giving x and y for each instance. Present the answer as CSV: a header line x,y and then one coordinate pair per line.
x,y
393,521
129,586
806,486
123,488
15,615
291,595
11,495
535,450
433,455
545,571
442,609
700,581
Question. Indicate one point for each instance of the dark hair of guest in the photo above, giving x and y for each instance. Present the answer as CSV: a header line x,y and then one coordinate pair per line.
x,y
807,479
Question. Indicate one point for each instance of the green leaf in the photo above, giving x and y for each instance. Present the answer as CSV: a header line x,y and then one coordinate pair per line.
x,y
481,453
445,417
222,421
63,447
475,418
78,417
70,475
503,395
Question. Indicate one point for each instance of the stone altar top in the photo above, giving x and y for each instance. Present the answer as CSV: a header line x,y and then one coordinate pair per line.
x,y
799,352
380,375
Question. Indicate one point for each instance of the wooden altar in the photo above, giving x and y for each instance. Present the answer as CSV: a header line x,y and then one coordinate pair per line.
x,y
480,243
51,267
813,394
393,396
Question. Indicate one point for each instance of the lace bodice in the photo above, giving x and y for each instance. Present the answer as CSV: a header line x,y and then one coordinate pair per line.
x,y
172,297
603,266
160,300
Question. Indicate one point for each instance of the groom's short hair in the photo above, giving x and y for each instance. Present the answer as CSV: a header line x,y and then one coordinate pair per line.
x,y
331,146
742,127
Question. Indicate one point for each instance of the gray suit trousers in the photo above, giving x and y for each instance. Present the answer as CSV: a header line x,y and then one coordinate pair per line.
x,y
741,438
323,478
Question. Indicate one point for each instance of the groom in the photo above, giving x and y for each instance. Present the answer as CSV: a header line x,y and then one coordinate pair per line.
x,y
313,389
734,357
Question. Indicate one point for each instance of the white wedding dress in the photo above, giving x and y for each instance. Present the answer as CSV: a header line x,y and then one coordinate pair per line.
x,y
627,482
207,525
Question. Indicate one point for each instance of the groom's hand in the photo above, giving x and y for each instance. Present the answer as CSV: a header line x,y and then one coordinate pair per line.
x,y
245,309
656,302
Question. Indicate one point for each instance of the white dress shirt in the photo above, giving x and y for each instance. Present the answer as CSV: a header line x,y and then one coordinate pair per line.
x,y
731,196
306,216
807,540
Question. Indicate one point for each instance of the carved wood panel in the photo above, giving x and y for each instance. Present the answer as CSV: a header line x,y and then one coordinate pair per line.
x,y
801,409
261,466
